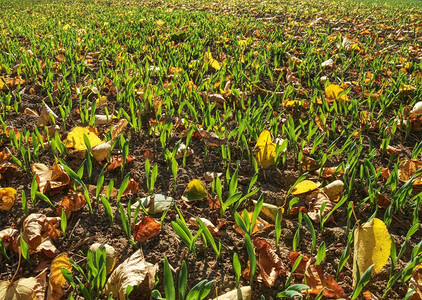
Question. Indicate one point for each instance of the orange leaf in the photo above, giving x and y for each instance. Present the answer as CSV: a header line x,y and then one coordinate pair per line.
x,y
116,161
260,225
269,262
300,270
316,280
146,229
71,203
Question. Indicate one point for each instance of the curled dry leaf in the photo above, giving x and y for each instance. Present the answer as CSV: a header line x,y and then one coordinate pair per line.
x,y
304,187
315,201
408,168
260,224
308,164
132,188
181,151
116,161
300,270
118,128
416,283
328,172
38,229
372,245
103,119
56,282
47,116
316,280
333,190
146,229
211,138
101,151
134,271
243,293
417,109
22,289
195,191
210,176
110,254
73,202
270,265
270,210
7,198
328,64
50,179
10,239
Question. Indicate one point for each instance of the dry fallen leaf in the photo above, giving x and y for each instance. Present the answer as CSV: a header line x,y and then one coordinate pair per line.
x,y
50,179
315,201
195,191
416,283
101,151
71,203
304,187
270,210
134,271
243,293
7,198
333,190
118,128
38,229
372,246
270,265
214,229
10,239
408,168
146,229
333,92
57,281
75,138
47,116
316,281
265,150
116,161
300,270
22,289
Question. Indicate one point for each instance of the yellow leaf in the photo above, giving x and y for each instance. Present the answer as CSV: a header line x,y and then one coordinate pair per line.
x,y
66,27
7,198
265,150
270,210
304,187
75,138
195,191
260,224
160,23
57,280
372,246
211,61
333,92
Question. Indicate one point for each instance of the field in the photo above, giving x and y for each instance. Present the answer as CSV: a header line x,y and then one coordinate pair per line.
x,y
272,146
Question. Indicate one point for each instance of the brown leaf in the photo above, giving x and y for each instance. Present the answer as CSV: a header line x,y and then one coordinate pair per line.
x,y
50,179
116,161
270,264
212,228
10,239
36,229
315,201
408,168
118,128
132,188
328,172
308,164
146,229
71,203
300,270
210,138
134,271
316,280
